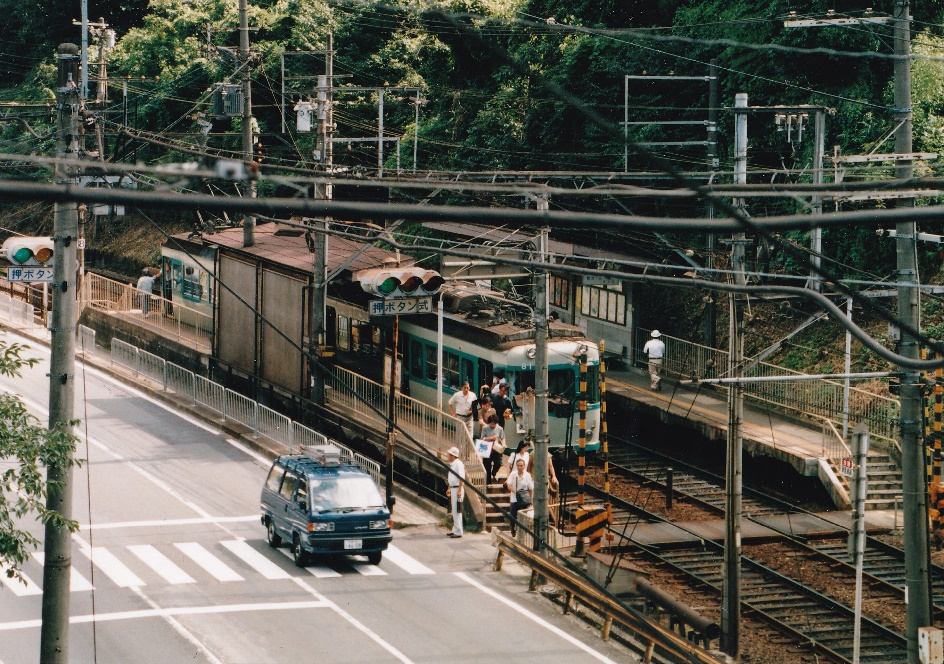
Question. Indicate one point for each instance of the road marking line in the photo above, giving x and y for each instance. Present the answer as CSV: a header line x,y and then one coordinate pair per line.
x,y
406,562
255,455
540,621
161,564
367,569
318,571
106,561
19,588
175,611
168,522
77,582
220,570
256,560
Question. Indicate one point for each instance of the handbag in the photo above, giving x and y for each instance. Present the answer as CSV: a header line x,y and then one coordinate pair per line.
x,y
498,446
483,448
523,496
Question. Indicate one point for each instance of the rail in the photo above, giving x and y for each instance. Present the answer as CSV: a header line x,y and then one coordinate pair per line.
x,y
433,429
819,399
173,319
653,634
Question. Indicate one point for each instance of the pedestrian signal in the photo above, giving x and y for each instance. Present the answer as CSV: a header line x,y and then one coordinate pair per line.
x,y
27,250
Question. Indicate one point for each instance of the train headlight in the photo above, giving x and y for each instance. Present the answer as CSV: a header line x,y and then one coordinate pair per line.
x,y
531,352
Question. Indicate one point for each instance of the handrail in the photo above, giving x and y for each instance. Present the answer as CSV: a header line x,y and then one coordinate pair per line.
x,y
608,606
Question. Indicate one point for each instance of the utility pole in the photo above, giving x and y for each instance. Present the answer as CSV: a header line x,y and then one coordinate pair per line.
x,y
249,221
541,427
816,235
54,633
709,318
731,590
915,509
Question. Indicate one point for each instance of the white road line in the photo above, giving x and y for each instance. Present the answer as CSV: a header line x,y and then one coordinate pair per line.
x,y
255,455
367,569
158,523
106,561
77,582
537,619
216,567
174,611
317,571
19,588
405,562
256,560
161,564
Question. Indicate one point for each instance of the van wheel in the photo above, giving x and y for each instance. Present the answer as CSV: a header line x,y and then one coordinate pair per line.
x,y
298,554
374,557
274,539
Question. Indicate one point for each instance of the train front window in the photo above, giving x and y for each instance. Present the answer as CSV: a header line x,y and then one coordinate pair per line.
x,y
593,383
432,369
451,372
416,358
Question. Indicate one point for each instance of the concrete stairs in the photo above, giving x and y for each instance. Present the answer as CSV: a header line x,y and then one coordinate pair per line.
x,y
499,493
884,482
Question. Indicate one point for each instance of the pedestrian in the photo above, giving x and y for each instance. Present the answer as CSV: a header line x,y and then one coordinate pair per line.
x,y
146,286
460,405
521,487
485,409
655,351
495,434
498,379
502,403
455,490
521,452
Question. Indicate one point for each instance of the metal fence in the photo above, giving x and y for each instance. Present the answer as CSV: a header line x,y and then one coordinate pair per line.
x,y
173,319
818,399
229,405
431,428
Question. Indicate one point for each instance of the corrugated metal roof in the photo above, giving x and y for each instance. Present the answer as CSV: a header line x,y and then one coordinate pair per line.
x,y
292,250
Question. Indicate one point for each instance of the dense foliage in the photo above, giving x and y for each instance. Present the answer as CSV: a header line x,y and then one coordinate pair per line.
x,y
27,450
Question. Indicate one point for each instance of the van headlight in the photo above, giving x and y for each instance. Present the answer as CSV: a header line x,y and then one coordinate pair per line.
x,y
379,525
321,527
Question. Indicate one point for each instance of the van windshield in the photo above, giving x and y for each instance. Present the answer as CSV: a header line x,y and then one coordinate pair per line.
x,y
343,494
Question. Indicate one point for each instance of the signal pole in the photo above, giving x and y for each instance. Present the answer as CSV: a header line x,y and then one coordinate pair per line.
x,y
541,428
249,221
54,633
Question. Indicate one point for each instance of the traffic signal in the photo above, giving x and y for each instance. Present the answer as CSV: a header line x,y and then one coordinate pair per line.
x,y
258,155
27,250
400,281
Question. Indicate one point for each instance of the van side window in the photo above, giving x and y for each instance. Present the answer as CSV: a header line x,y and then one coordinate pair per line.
x,y
288,485
275,478
301,493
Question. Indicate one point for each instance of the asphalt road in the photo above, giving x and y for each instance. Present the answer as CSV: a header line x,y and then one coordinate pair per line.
x,y
171,564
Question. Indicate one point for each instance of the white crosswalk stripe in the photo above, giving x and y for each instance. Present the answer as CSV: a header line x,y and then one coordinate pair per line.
x,y
318,571
21,587
220,570
367,569
256,560
405,562
161,564
77,582
113,568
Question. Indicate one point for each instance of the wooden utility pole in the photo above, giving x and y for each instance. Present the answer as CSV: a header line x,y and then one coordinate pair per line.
x,y
57,567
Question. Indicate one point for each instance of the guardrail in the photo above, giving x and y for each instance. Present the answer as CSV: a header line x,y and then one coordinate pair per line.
x,y
229,405
17,311
819,399
647,631
175,320
435,430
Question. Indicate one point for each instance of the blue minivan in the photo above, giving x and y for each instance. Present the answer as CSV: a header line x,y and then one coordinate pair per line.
x,y
323,507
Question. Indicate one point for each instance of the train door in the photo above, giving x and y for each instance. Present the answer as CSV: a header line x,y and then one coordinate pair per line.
x,y
485,374
331,327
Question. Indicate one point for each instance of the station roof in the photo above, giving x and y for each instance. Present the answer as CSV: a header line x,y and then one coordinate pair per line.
x,y
291,249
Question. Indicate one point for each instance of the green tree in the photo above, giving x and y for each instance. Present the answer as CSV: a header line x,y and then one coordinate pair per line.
x,y
27,448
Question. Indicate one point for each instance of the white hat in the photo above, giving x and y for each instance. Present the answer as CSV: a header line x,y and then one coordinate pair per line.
x,y
655,334
453,451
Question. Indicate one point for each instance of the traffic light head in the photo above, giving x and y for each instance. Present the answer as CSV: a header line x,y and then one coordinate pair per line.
x,y
400,281
27,250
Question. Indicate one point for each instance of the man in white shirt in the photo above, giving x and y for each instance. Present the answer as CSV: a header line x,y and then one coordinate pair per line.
x,y
454,490
145,286
460,405
655,350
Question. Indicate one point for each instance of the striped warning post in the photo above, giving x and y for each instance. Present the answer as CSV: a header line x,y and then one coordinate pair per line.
x,y
591,523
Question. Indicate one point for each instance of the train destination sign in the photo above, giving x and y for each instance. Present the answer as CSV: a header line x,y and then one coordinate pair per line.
x,y
401,306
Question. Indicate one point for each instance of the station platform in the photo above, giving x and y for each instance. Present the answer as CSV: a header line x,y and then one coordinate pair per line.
x,y
814,526
764,432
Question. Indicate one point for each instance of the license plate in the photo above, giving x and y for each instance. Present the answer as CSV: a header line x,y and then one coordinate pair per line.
x,y
353,544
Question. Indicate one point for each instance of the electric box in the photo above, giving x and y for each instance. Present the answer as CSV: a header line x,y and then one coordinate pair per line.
x,y
930,645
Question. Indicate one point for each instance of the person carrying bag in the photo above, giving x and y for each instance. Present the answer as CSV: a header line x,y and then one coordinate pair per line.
x,y
521,486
